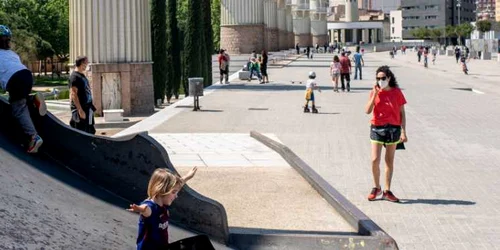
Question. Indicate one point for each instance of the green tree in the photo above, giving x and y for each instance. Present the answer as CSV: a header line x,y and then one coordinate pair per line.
x,y
421,33
209,41
464,30
436,33
483,26
215,13
192,43
159,47
174,51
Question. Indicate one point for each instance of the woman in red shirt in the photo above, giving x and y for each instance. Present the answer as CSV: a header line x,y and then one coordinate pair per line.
x,y
387,128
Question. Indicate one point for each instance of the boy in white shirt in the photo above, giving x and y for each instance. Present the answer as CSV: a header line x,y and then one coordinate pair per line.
x,y
310,87
16,79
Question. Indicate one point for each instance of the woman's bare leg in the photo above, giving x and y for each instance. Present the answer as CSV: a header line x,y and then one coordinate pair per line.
x,y
376,151
390,151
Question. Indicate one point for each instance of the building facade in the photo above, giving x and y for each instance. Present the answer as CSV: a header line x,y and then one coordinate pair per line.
x,y
421,13
385,5
396,29
497,10
485,9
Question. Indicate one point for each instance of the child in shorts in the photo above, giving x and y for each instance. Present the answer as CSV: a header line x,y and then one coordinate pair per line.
x,y
310,87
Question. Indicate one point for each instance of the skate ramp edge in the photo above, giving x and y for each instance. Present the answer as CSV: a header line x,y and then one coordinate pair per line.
x,y
370,235
122,166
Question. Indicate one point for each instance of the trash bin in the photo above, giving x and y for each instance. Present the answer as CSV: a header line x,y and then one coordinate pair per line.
x,y
196,90
195,86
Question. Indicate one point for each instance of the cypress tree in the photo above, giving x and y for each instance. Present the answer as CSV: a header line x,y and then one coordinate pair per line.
x,y
209,40
159,48
174,51
192,59
203,52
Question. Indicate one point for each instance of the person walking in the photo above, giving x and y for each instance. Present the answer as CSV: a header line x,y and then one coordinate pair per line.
x,y
263,67
82,107
457,53
345,72
16,79
255,68
297,48
335,73
308,51
388,128
358,64
223,59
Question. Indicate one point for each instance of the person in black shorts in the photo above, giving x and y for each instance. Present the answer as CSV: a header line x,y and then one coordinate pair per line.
x,y
82,108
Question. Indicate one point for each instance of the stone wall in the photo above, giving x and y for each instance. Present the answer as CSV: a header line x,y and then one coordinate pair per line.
x,y
283,40
242,39
272,39
303,39
136,81
291,39
320,40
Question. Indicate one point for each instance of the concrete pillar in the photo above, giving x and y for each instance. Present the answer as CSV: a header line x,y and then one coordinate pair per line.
x,y
283,33
351,11
355,36
242,26
319,30
375,35
302,23
289,26
116,38
271,35
365,34
342,36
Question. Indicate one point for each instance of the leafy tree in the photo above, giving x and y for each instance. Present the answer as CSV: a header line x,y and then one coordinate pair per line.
x,y
192,43
464,30
173,51
159,46
215,7
436,33
209,41
420,33
483,26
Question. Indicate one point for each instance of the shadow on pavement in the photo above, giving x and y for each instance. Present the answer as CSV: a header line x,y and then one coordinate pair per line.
x,y
437,202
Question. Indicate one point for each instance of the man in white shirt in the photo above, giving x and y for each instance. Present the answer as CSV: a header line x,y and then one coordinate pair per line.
x,y
16,79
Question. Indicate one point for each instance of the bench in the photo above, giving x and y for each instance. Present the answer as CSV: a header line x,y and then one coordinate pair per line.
x,y
113,115
244,75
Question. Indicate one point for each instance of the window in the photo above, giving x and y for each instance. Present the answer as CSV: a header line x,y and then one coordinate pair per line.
x,y
393,20
392,29
430,17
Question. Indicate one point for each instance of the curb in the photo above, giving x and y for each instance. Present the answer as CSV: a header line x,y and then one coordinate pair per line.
x,y
355,217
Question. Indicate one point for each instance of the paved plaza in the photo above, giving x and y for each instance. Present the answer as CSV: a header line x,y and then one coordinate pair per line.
x,y
447,177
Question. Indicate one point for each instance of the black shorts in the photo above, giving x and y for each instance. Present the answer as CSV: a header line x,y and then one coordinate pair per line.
x,y
19,85
386,135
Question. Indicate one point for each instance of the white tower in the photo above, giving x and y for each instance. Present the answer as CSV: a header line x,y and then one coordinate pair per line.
x,y
351,11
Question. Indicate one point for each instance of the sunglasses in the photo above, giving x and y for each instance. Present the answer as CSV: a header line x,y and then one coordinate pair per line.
x,y
381,78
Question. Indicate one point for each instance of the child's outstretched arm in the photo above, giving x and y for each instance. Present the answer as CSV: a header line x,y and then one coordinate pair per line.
x,y
189,175
143,209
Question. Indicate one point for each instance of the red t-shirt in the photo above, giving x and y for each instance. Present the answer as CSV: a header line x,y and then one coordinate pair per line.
x,y
345,65
387,108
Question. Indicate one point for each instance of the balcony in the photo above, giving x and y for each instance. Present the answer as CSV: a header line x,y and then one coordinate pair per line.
x,y
302,6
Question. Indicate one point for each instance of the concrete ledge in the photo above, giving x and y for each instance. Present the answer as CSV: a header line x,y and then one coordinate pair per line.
x,y
355,217
121,166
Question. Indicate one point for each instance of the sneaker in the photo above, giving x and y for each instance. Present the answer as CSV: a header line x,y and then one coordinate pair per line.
x,y
374,194
388,195
35,144
39,102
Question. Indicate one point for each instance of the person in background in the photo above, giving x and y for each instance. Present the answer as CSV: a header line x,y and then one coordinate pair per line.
x,y
82,107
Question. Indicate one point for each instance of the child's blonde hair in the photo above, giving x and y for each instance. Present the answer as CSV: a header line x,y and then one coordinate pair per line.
x,y
162,182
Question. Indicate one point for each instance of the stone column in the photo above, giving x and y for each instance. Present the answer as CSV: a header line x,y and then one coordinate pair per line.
x,y
365,34
302,23
342,36
271,25
375,35
242,26
115,35
289,27
319,30
283,33
355,36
